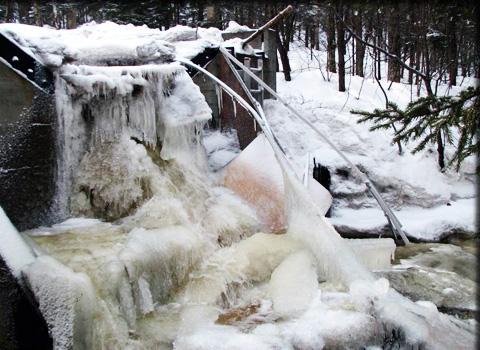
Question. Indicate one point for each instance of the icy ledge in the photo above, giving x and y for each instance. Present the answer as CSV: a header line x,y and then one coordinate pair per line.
x,y
420,224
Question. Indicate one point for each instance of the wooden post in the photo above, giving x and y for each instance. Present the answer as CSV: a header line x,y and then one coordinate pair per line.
x,y
246,78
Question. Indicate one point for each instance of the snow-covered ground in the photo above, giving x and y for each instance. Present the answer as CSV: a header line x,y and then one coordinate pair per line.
x,y
428,202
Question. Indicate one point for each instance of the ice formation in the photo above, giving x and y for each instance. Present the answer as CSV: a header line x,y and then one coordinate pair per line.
x,y
184,263
157,105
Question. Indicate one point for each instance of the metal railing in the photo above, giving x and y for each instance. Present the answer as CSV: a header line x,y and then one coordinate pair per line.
x,y
393,221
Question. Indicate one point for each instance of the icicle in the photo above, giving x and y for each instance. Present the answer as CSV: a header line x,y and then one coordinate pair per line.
x,y
234,108
219,91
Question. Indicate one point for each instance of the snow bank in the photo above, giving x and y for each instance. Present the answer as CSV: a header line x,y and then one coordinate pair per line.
x,y
407,182
431,225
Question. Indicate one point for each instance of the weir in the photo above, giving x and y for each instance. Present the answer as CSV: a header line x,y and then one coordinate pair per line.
x,y
157,254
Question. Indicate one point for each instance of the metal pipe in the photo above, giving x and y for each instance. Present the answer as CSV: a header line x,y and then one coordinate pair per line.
x,y
259,116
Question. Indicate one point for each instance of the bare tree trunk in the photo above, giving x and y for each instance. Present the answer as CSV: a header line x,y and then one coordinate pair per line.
x,y
394,46
412,62
341,49
378,43
10,12
331,46
452,50
307,36
283,57
360,47
441,151
37,14
72,18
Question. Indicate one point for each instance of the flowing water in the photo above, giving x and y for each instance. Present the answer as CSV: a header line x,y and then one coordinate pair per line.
x,y
180,261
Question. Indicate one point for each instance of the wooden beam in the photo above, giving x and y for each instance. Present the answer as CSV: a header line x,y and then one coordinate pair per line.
x,y
284,13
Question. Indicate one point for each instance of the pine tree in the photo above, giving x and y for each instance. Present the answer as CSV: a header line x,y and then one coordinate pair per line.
x,y
428,118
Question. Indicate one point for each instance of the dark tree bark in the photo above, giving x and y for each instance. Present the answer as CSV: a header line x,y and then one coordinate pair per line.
x,y
331,46
307,36
341,49
441,151
378,43
394,46
360,47
412,62
9,12
283,57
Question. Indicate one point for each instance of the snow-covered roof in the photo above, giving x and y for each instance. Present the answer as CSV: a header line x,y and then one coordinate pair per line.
x,y
109,43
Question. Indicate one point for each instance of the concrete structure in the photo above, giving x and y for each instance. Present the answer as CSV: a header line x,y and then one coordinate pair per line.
x,y
27,180
27,139
27,151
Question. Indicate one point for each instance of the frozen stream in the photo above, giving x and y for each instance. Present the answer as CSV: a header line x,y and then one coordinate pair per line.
x,y
190,269
169,258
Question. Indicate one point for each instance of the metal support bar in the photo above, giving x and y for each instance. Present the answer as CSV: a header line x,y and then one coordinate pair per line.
x,y
254,102
388,212
256,112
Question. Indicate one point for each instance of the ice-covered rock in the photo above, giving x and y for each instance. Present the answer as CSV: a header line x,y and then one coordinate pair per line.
x,y
67,302
158,262
294,284
113,180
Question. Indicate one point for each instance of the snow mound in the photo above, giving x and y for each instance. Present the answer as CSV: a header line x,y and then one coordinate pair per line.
x,y
234,27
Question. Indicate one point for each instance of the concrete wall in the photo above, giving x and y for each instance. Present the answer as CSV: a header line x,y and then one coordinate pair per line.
x,y
27,150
